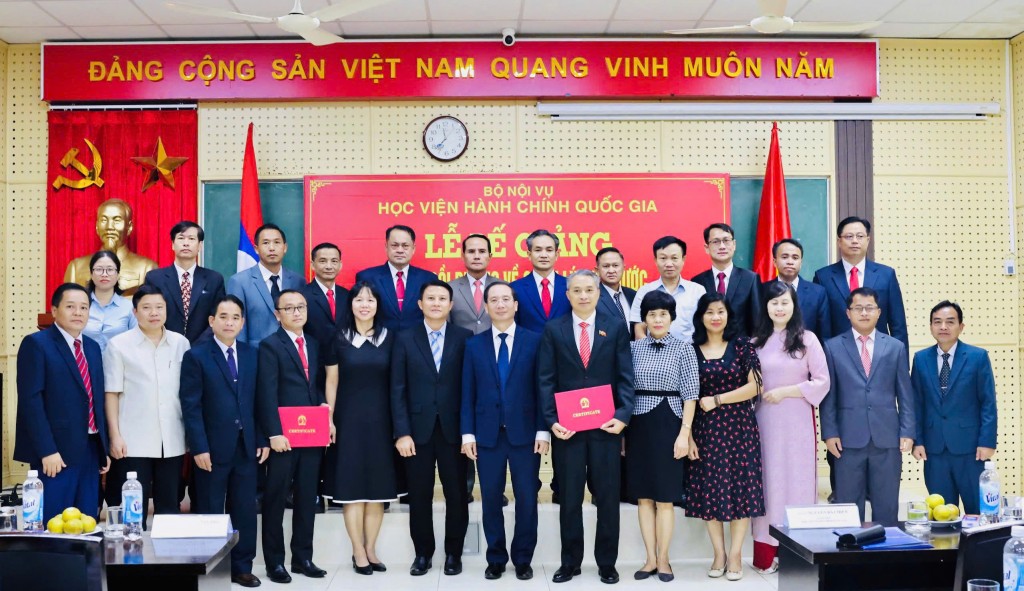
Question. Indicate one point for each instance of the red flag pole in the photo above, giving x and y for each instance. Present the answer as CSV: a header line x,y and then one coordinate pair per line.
x,y
773,217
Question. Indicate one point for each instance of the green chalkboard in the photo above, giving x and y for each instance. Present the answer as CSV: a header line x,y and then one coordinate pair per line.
x,y
283,205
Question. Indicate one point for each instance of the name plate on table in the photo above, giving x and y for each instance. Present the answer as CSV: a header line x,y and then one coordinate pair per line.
x,y
306,426
190,526
585,409
822,516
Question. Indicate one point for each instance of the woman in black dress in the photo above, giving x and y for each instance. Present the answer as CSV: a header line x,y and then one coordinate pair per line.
x,y
658,438
725,475
361,464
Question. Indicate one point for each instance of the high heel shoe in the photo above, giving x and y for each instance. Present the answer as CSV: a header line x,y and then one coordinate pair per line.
x,y
716,573
378,567
362,570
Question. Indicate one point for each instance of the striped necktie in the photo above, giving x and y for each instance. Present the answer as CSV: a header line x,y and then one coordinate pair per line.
x,y
435,348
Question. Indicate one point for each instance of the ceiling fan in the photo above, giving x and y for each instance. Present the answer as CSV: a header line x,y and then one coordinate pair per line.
x,y
773,21
305,25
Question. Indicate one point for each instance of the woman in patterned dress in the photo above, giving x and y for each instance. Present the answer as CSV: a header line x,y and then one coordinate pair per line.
x,y
658,437
725,475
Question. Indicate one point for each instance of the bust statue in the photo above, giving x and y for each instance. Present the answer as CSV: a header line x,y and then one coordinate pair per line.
x,y
114,224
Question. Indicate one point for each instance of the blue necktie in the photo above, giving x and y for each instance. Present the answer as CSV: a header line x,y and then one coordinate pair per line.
x,y
944,374
232,367
503,360
435,348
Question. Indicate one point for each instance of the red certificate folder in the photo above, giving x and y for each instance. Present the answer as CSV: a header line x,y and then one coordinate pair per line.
x,y
306,426
582,410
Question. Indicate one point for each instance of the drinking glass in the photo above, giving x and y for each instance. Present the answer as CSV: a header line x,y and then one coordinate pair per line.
x,y
115,523
8,519
917,515
982,585
1011,508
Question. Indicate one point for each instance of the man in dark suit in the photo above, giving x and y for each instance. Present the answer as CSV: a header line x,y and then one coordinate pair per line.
x,y
867,418
287,376
741,287
397,280
189,289
541,292
61,427
615,298
218,396
326,301
426,396
955,406
468,310
582,350
503,428
853,235
788,255
258,287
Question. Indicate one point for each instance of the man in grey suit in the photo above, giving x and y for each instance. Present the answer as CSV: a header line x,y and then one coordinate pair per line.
x,y
258,287
867,418
468,311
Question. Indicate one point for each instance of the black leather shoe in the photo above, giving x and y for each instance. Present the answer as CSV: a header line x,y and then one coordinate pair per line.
x,y
565,573
362,570
452,564
278,574
420,566
608,574
494,571
306,567
378,567
524,572
246,580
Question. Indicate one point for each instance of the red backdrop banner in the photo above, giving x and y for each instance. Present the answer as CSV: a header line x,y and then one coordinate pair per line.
x,y
117,137
586,211
461,69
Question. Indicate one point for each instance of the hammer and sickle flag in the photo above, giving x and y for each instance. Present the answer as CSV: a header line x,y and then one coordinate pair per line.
x,y
89,178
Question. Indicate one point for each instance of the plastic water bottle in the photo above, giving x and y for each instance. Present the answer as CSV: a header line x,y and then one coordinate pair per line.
x,y
989,485
131,501
1013,560
32,502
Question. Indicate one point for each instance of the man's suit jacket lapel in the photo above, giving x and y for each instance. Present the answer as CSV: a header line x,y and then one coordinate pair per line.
x,y
559,301
222,363
174,288
320,300
853,349
839,279
293,351
598,339
931,372
446,350
569,334
517,354
65,353
260,286
198,284
532,296
734,284
422,340
413,282
958,365
387,289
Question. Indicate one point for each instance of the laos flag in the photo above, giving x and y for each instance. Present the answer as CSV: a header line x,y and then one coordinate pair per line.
x,y
252,214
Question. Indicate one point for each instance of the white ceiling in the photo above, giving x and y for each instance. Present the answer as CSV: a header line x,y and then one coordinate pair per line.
x,y
103,20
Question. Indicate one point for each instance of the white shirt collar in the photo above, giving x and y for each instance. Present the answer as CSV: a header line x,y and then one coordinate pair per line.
x,y
394,272
952,352
442,330
223,347
871,337
292,335
180,271
727,271
323,287
67,336
590,320
610,291
795,283
511,332
537,277
860,269
267,274
142,338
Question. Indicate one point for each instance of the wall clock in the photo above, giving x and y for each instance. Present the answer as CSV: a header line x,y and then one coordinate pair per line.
x,y
445,138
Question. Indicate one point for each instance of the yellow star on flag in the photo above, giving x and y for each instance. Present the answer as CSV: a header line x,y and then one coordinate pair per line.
x,y
160,166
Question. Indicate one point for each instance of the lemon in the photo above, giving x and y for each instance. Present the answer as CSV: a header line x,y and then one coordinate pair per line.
x,y
71,513
74,526
940,513
954,510
55,525
934,501
88,524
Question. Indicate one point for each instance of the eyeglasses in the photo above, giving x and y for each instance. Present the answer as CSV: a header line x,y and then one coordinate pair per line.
x,y
864,309
501,300
105,270
292,309
720,242
850,237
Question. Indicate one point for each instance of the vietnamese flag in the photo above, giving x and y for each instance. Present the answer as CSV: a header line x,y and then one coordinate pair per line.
x,y
773,217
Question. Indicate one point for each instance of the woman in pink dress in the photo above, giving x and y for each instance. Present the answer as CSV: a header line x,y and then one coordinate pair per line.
x,y
796,379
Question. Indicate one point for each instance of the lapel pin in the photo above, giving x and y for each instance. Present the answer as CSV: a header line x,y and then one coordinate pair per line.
x,y
602,333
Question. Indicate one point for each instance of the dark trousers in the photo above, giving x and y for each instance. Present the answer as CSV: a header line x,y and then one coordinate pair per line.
x,y
955,476
597,453
298,471
451,468
74,486
524,466
232,484
160,479
870,471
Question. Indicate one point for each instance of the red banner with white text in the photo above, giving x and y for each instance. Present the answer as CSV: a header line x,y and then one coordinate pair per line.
x,y
586,211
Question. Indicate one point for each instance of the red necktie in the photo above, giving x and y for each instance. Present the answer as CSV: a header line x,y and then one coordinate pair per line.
x,y
299,342
186,294
330,301
865,359
854,279
721,283
83,370
400,289
478,295
584,344
545,297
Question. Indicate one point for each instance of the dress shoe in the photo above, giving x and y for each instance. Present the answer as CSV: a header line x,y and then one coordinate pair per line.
x,y
494,571
666,577
642,574
278,574
524,572
734,575
608,574
362,570
378,567
452,564
306,567
246,580
420,566
565,573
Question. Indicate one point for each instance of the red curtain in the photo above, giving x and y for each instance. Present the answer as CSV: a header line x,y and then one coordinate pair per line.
x,y
118,136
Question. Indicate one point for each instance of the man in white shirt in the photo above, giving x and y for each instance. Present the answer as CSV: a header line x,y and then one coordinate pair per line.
x,y
142,369
670,256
